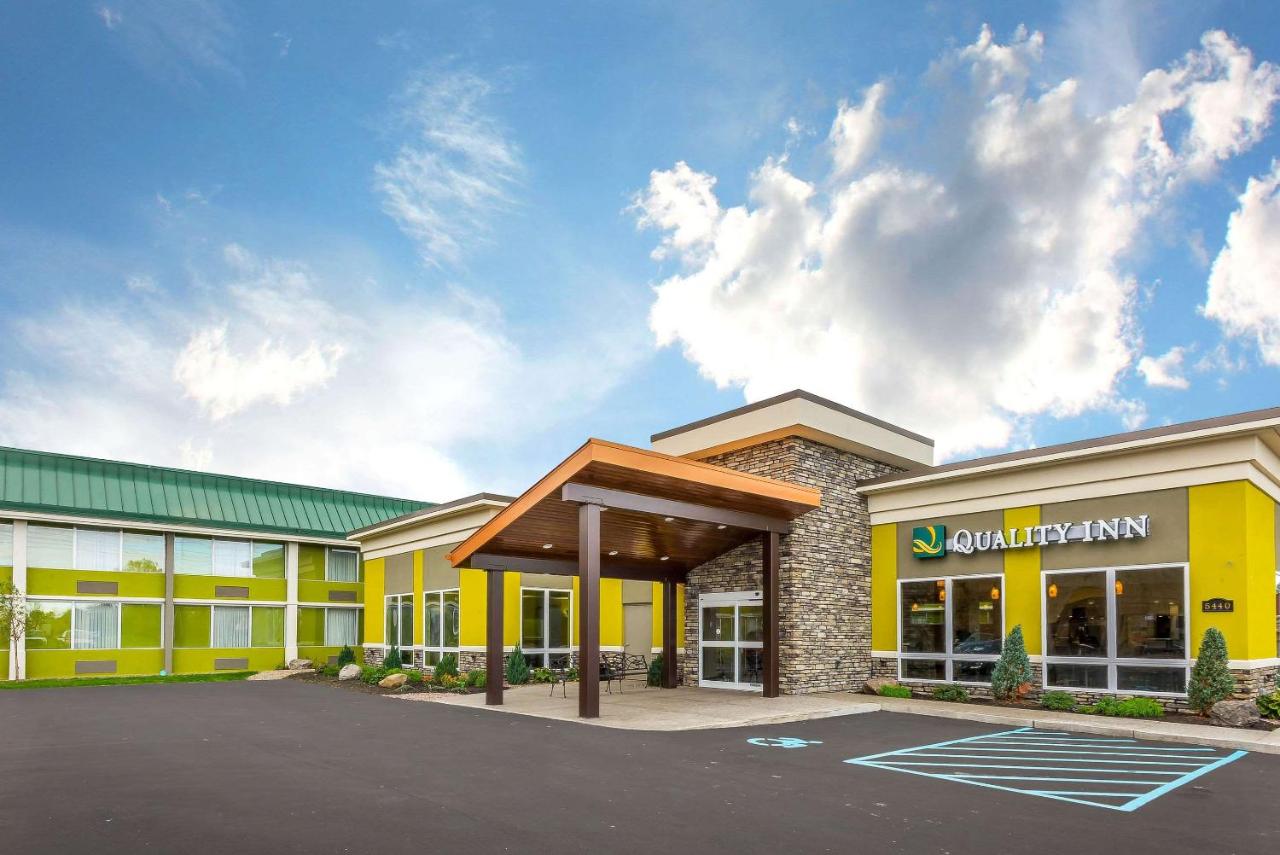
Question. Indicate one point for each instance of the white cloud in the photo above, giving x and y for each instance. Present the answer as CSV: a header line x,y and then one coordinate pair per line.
x,y
1244,283
1164,372
176,42
110,17
856,130
280,369
965,300
458,168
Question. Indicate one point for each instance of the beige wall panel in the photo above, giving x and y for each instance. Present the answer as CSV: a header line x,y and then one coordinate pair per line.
x,y
910,567
437,574
637,622
399,574
636,592
546,580
1168,540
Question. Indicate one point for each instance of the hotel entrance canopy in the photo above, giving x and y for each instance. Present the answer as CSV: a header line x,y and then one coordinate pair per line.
x,y
615,511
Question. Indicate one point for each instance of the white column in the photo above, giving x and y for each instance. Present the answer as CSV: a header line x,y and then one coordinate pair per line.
x,y
291,601
18,649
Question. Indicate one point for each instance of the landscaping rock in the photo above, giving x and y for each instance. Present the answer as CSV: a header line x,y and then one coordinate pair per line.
x,y
349,672
300,664
393,681
1235,713
873,686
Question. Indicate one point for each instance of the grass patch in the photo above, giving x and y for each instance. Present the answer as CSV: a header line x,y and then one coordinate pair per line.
x,y
220,677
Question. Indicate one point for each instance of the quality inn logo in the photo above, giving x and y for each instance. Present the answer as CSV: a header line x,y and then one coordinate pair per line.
x,y
929,541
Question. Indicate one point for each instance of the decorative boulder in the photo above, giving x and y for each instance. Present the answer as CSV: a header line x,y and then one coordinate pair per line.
x,y
873,686
393,681
299,664
349,672
1235,713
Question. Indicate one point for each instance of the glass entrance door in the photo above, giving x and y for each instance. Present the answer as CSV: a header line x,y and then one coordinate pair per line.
x,y
732,641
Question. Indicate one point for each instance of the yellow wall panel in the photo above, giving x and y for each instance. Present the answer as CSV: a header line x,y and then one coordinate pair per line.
x,y
1022,581
884,584
473,602
1223,521
374,612
610,612
419,607
511,609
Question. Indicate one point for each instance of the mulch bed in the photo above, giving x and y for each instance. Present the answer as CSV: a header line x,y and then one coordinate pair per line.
x,y
1172,717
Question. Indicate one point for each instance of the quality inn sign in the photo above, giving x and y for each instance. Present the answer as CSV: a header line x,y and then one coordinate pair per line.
x,y
931,541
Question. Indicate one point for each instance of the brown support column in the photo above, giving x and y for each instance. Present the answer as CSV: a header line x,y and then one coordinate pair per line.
x,y
669,670
494,672
588,611
769,549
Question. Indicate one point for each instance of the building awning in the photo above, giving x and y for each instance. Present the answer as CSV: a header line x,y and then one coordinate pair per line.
x,y
663,515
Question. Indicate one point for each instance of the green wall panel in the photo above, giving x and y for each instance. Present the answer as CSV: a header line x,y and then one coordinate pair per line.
x,y
43,664
310,627
318,592
203,587
201,661
311,562
320,655
62,583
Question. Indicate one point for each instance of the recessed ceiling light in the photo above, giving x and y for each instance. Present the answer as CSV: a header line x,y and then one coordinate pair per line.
x,y
613,552
664,558
721,527
669,519
547,545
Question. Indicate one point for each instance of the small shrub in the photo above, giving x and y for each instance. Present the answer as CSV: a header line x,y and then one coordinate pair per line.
x,y
346,656
415,676
393,659
371,674
448,664
448,681
894,691
955,694
572,674
1211,679
654,677
330,670
1013,670
1128,708
542,675
517,669
1269,705
475,678
1060,701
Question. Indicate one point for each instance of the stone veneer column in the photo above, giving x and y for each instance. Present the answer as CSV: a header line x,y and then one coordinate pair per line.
x,y
291,601
18,648
825,568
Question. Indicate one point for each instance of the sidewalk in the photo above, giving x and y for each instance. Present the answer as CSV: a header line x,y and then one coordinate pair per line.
x,y
1259,741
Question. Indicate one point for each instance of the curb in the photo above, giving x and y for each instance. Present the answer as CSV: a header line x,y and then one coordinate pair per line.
x,y
1256,741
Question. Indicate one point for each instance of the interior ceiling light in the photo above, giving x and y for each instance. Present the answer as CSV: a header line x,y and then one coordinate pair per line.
x,y
1053,591
995,593
547,545
1119,588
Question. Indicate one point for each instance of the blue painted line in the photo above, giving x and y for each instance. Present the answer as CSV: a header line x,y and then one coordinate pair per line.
x,y
1134,753
1062,759
934,745
966,776
896,763
1190,776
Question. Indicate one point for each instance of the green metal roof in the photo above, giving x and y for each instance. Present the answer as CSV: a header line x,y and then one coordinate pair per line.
x,y
39,482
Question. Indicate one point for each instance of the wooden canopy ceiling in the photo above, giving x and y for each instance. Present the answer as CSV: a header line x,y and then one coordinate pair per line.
x,y
643,534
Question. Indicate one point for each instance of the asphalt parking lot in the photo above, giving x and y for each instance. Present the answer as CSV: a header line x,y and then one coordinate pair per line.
x,y
278,767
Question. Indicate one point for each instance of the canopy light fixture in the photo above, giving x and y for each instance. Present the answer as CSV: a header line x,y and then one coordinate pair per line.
x,y
613,552
547,545
664,558
721,527
668,519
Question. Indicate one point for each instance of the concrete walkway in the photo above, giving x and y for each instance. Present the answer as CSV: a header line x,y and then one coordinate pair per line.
x,y
1261,741
685,708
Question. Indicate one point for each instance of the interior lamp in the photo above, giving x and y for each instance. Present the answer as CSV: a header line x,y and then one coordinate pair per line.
x,y
1053,590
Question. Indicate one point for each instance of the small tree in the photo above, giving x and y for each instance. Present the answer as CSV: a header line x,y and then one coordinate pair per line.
x,y
448,664
392,659
1211,679
14,613
1013,671
517,669
346,656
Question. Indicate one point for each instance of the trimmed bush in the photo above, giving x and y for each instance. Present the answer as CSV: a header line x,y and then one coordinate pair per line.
x,y
1128,708
517,669
346,656
894,691
448,664
954,694
1269,705
476,678
1211,679
654,677
1060,701
1014,668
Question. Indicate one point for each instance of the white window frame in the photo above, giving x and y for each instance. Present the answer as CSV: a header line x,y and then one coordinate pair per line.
x,y
328,551
440,649
1111,661
213,557
75,547
736,599
948,637
119,604
545,651
386,644
329,642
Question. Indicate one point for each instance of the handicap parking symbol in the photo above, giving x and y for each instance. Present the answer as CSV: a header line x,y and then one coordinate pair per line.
x,y
782,742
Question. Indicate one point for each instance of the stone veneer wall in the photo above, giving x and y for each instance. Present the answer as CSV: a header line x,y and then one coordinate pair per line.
x,y
824,568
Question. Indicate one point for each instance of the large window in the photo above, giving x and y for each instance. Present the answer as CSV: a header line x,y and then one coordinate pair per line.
x,y
399,621
950,629
546,619
1119,630
87,625
328,627
731,649
6,544
442,621
66,548
228,626
219,556
342,565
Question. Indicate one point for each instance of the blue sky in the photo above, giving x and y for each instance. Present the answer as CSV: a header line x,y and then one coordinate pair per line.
x,y
429,250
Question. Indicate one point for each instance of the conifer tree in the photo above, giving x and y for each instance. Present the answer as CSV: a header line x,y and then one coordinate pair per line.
x,y
1211,679
1014,668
